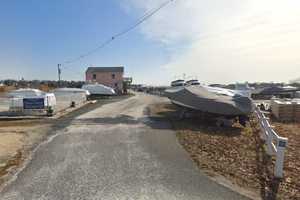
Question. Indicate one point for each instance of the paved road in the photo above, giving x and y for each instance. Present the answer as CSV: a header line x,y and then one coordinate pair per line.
x,y
114,152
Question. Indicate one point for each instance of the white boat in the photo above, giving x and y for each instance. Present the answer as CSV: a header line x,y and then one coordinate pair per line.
x,y
26,92
99,89
177,83
192,82
212,100
243,89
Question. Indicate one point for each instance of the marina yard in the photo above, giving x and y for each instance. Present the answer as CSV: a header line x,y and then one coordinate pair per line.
x,y
223,154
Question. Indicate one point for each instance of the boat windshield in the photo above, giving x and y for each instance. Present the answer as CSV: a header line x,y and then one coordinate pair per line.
x,y
177,83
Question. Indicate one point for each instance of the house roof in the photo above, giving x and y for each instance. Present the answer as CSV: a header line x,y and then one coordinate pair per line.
x,y
105,69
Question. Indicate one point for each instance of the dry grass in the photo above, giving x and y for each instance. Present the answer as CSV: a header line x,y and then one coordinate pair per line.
x,y
6,88
22,123
236,153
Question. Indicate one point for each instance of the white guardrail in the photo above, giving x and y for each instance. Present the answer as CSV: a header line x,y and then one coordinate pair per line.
x,y
275,144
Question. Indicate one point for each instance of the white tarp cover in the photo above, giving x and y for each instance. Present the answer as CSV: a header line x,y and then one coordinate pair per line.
x,y
17,96
26,92
67,96
64,91
98,89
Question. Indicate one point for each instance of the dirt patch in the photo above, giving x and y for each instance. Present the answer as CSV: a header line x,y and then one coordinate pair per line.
x,y
20,123
9,144
4,89
236,153
16,140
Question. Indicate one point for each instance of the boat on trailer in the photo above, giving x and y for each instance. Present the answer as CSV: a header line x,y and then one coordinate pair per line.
x,y
215,101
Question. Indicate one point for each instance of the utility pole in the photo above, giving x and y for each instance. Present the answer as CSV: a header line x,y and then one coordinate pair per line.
x,y
59,73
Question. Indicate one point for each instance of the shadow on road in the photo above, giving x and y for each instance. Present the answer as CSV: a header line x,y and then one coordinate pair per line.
x,y
66,120
121,119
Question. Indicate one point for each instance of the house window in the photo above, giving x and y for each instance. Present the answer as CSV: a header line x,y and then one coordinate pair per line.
x,y
94,76
116,84
113,76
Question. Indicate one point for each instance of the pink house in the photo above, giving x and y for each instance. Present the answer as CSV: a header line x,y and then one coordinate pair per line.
x,y
108,76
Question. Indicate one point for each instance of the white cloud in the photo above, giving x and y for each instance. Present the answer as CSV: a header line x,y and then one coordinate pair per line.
x,y
227,40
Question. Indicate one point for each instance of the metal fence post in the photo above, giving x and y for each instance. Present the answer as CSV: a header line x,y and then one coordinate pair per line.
x,y
280,146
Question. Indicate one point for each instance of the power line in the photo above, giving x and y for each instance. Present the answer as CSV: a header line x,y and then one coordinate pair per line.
x,y
145,17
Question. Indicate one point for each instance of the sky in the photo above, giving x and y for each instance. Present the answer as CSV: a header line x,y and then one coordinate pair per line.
x,y
216,41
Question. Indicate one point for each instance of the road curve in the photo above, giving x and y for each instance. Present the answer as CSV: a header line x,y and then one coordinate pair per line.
x,y
114,152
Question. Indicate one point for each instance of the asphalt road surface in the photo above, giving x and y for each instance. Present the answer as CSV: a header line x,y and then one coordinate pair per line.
x,y
114,152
